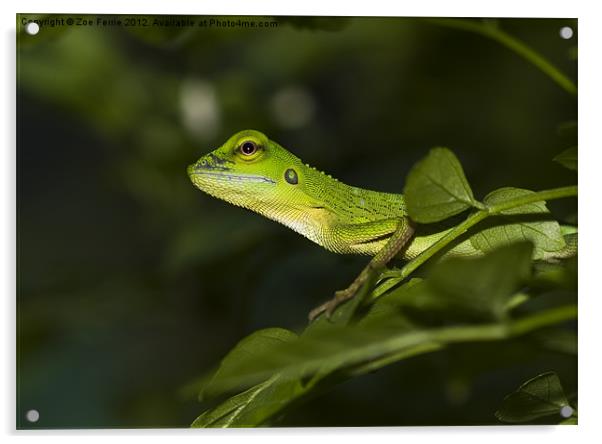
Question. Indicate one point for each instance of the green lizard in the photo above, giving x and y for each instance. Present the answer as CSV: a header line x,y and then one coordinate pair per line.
x,y
256,173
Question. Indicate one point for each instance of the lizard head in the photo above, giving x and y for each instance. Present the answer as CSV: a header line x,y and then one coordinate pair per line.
x,y
248,170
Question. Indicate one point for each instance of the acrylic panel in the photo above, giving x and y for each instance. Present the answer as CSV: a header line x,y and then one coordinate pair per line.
x,y
167,262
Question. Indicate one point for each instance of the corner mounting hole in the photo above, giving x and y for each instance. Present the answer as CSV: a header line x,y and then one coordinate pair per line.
x,y
566,411
32,28
32,415
566,32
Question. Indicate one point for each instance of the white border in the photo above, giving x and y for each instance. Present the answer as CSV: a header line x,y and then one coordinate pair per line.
x,y
590,101
459,8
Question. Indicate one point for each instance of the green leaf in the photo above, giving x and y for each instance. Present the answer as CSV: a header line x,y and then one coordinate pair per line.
x,y
253,407
352,347
227,412
436,188
389,307
568,158
256,344
538,397
321,351
419,349
480,286
529,222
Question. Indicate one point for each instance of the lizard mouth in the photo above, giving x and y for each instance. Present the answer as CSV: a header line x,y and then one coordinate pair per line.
x,y
227,177
196,171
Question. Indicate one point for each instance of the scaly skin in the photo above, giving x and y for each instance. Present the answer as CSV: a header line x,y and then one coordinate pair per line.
x,y
339,217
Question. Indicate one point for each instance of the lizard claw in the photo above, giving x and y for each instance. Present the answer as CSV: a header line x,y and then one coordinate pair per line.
x,y
318,311
330,306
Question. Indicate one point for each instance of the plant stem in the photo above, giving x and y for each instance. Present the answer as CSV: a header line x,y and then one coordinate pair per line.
x,y
555,193
437,339
472,220
513,44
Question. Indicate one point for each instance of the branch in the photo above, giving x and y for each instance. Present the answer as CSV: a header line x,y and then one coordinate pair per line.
x,y
515,45
490,210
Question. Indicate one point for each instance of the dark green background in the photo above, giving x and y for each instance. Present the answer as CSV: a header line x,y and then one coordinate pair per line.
x,y
132,283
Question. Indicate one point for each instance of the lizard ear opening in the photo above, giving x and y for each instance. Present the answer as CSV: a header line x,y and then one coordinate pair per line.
x,y
291,177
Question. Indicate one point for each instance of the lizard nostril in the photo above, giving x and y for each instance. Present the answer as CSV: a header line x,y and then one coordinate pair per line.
x,y
201,164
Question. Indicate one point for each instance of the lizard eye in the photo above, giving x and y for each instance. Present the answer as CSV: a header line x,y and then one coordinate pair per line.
x,y
248,148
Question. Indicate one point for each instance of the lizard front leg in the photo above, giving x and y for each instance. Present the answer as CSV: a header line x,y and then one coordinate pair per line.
x,y
394,245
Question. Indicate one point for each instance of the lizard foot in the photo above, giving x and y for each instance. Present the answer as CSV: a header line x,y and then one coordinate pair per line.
x,y
396,242
330,306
